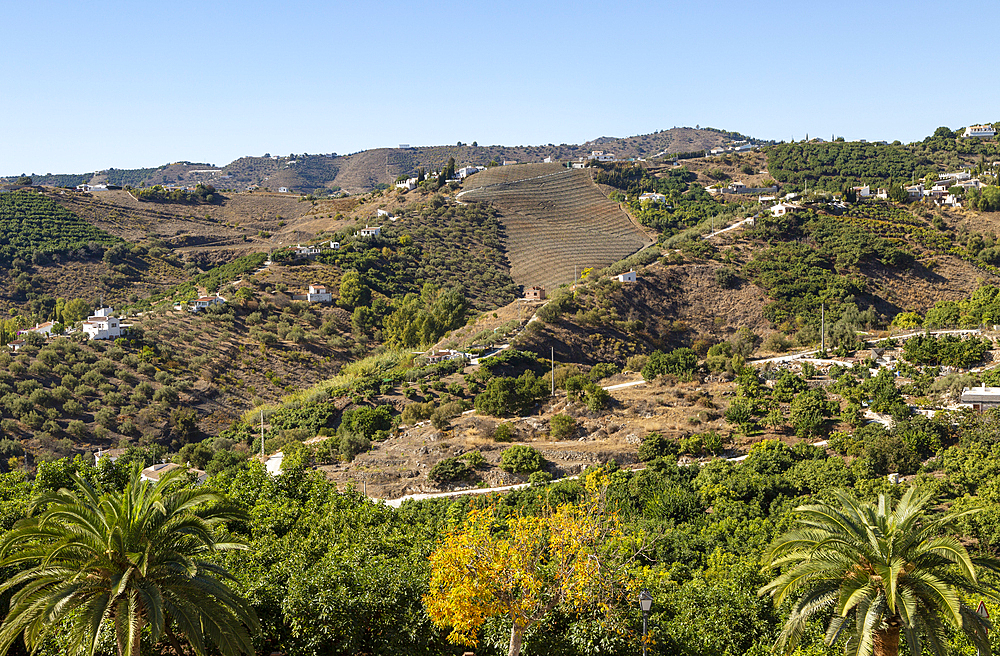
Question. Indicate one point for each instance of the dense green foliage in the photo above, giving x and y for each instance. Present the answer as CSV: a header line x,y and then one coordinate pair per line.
x,y
434,242
130,177
834,165
820,265
32,224
329,572
202,194
947,350
687,204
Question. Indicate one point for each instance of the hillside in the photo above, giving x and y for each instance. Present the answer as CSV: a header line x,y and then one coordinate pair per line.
x,y
557,222
366,170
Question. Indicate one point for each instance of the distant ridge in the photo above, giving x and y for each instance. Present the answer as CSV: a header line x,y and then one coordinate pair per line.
x,y
367,170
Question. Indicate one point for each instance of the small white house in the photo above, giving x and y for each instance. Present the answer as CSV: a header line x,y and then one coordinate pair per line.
x,y
319,294
102,325
379,213
42,329
335,245
601,156
653,197
466,171
409,184
301,252
441,356
282,190
370,231
980,131
205,302
782,209
628,276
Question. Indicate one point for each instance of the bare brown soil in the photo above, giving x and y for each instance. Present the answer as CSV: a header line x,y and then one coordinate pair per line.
x,y
675,304
676,410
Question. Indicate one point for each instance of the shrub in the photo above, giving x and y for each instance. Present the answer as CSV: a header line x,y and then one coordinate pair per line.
x,y
416,412
727,278
679,362
448,471
776,343
441,418
603,370
521,459
561,426
540,478
166,394
654,446
636,362
503,432
475,459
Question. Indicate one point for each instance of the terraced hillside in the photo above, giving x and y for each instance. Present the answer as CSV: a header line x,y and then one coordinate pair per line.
x,y
557,221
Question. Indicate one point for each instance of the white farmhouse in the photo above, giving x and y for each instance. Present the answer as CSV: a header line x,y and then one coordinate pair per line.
x,y
980,131
628,276
319,294
102,327
370,231
205,302
409,184
300,251
782,209
41,328
601,156
466,171
653,197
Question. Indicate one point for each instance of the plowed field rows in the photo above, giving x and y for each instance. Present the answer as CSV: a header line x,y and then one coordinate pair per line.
x,y
557,222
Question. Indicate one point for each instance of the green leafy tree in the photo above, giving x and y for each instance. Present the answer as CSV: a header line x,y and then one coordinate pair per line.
x,y
884,571
353,292
133,559
809,413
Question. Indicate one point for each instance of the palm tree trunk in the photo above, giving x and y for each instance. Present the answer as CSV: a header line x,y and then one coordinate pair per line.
x,y
887,640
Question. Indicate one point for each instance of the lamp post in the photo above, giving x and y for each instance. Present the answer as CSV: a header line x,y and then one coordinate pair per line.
x,y
645,603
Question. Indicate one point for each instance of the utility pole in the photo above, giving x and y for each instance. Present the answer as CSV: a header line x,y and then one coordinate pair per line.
x,y
553,393
262,433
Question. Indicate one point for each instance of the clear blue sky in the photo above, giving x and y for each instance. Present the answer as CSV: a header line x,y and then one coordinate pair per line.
x,y
91,85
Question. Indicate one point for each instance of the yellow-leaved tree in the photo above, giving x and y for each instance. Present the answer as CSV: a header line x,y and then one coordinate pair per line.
x,y
575,557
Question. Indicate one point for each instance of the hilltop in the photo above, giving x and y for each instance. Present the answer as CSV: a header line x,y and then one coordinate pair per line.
x,y
366,170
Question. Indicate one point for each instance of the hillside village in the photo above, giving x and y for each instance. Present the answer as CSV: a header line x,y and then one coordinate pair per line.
x,y
676,338
557,239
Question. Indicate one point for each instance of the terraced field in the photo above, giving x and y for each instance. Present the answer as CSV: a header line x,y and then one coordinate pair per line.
x,y
557,221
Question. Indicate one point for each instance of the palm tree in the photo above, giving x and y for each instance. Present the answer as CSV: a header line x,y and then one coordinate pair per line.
x,y
127,560
882,571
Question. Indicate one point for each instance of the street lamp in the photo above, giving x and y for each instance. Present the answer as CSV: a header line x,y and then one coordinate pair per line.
x,y
646,604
